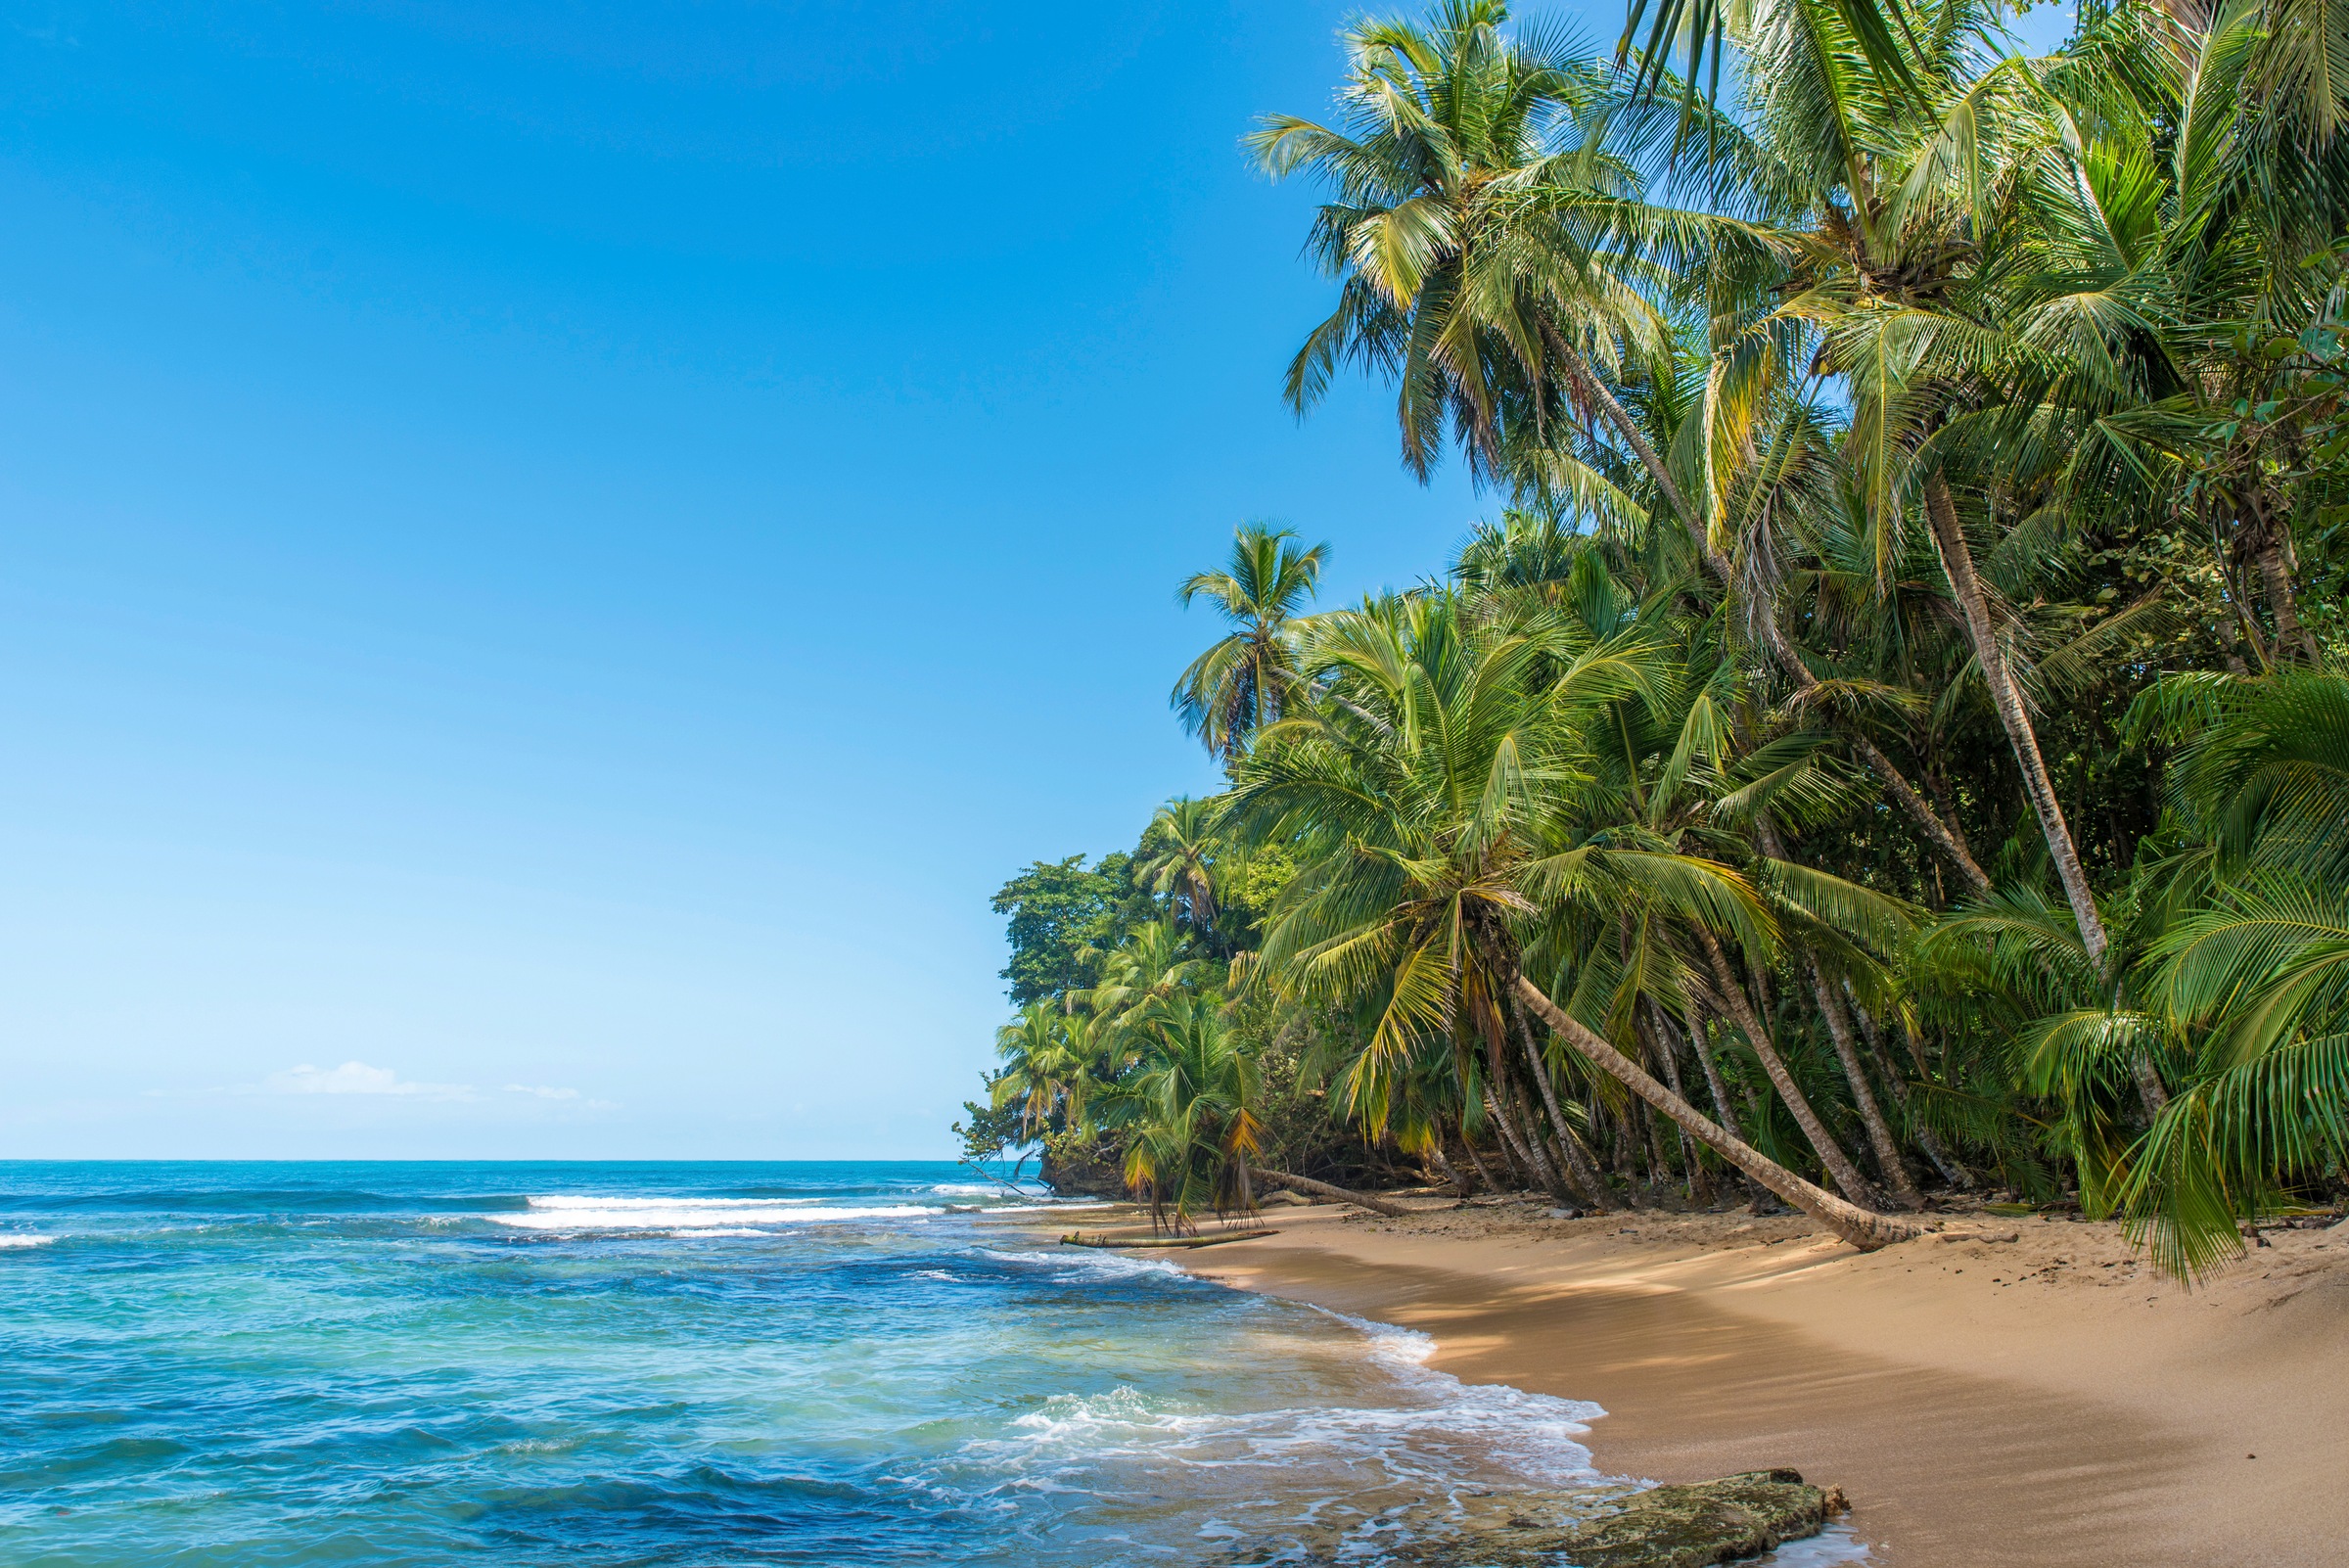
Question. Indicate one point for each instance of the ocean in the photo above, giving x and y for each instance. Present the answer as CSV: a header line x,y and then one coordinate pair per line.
x,y
251,1364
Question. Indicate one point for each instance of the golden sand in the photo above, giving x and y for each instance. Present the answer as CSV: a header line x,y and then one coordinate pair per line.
x,y
2004,1392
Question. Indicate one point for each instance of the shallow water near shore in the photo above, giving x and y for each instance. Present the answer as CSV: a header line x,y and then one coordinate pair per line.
x,y
675,1363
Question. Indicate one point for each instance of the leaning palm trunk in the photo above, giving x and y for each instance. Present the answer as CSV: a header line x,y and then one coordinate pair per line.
x,y
1952,1172
1957,565
1459,1184
1521,1168
1847,1051
1526,1138
1872,1115
1840,1167
1665,1047
1584,1171
1323,1189
1700,1042
1483,1176
1853,1223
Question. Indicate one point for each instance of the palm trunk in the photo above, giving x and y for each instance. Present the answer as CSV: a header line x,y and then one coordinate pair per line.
x,y
1700,1041
1483,1176
1586,1173
1957,564
1459,1184
1527,1143
1649,459
1872,1115
1587,1179
1659,1166
1920,811
1666,1045
1840,1168
1952,1170
1521,1168
2276,577
1854,1225
1323,1189
1847,1051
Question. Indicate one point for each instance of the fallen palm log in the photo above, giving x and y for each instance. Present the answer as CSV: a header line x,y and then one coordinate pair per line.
x,y
1214,1238
1323,1189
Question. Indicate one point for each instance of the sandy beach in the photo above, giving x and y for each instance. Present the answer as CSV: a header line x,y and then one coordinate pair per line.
x,y
2006,1391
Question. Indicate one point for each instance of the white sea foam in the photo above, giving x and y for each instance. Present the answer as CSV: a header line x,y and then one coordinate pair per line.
x,y
574,1201
1833,1545
1082,1266
1438,1437
25,1241
715,1231
694,1216
1353,1473
1342,1477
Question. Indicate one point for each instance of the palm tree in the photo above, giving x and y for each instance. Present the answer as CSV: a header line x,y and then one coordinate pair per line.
x,y
1889,157
2188,257
1429,796
1155,968
2254,975
1500,270
1183,863
1191,1114
1051,1062
1242,683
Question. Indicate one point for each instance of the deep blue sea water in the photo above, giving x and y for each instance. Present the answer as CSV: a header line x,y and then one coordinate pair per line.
x,y
256,1365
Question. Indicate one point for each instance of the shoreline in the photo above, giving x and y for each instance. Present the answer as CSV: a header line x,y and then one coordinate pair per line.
x,y
2011,1391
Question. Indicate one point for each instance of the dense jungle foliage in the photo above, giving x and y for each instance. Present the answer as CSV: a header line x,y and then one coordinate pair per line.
x,y
1893,735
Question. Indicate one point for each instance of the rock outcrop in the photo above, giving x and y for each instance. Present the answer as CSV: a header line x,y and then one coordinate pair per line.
x,y
1663,1527
1694,1525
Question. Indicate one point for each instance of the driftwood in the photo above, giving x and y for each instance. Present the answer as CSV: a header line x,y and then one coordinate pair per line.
x,y
1323,1189
1214,1238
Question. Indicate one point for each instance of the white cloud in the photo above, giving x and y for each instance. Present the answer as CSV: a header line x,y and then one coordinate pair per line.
x,y
357,1078
543,1092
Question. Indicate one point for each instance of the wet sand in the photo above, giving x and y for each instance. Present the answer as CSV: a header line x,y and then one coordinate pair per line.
x,y
2005,1392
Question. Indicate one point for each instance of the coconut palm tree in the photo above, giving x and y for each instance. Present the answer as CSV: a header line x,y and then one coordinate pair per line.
x,y
1051,1063
1429,796
1182,862
1893,159
1190,1114
1463,275
1502,271
1241,683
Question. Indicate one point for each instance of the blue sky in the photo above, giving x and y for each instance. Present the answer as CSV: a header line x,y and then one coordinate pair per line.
x,y
553,556
561,553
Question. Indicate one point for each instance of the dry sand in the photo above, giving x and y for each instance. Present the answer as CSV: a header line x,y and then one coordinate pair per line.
x,y
2005,1392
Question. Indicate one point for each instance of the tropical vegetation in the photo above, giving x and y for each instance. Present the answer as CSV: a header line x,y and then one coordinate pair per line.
x,y
1892,737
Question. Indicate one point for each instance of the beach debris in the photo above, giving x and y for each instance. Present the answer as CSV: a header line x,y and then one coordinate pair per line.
x,y
1111,1238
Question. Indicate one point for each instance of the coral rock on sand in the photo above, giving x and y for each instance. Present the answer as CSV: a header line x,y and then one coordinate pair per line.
x,y
1664,1527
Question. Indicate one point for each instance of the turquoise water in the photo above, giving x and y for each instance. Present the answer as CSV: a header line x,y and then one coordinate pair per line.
x,y
420,1364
